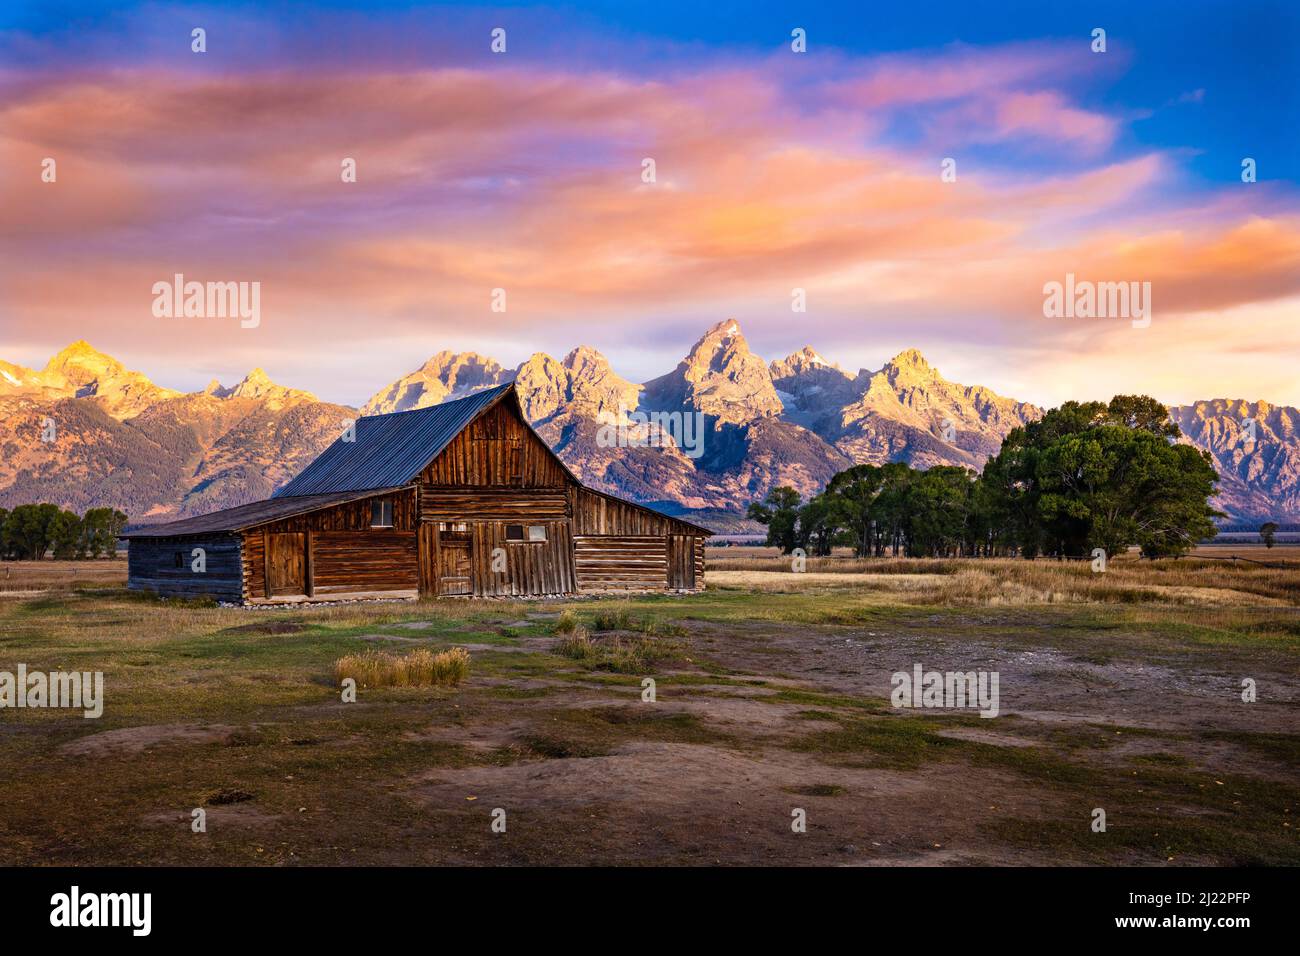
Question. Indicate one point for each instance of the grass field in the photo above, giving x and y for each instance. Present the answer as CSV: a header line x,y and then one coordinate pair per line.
x,y
1119,691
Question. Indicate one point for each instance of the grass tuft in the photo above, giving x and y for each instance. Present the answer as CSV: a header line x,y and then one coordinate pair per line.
x,y
419,668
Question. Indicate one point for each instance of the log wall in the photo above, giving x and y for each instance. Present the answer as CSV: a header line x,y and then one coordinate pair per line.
x,y
621,563
343,553
364,561
151,566
620,546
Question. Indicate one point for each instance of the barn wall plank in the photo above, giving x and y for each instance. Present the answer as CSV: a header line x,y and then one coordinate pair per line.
x,y
151,566
621,562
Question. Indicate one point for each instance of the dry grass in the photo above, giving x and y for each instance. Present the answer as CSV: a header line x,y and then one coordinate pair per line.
x,y
576,644
1195,580
23,578
419,668
567,623
620,655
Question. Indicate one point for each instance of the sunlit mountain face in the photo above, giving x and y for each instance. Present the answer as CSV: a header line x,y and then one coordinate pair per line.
x,y
750,425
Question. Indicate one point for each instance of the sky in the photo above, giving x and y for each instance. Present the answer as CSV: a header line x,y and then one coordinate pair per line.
x,y
774,170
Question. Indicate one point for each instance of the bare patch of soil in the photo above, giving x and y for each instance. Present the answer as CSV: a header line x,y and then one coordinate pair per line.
x,y
682,803
134,740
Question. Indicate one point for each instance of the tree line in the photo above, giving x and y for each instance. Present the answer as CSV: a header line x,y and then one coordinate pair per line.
x,y
30,531
1086,475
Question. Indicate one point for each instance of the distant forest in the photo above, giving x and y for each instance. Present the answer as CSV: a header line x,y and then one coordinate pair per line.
x,y
1085,476
29,532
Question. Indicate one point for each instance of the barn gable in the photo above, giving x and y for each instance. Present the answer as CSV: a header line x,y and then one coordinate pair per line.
x,y
497,449
393,449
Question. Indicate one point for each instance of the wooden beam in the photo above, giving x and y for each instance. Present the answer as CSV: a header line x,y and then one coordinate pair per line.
x,y
308,568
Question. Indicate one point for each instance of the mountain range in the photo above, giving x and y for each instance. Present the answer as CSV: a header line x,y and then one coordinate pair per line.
x,y
159,454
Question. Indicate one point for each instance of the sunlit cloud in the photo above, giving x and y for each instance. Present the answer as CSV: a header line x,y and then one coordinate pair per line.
x,y
528,177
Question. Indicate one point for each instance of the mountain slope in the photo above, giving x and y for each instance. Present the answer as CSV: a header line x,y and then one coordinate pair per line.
x,y
715,433
155,453
908,412
1258,480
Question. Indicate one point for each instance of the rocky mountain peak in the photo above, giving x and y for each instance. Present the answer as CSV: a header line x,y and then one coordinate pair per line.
x,y
444,375
720,377
584,357
911,359
258,385
806,359
583,384
463,371
81,364
82,371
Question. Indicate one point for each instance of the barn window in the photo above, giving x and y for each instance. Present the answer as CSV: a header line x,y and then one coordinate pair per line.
x,y
537,532
381,513
178,559
514,532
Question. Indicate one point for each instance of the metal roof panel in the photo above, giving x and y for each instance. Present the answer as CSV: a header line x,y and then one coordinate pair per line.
x,y
391,449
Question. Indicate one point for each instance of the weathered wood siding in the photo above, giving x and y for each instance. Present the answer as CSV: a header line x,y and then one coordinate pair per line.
x,y
594,514
531,568
151,566
343,554
352,516
501,504
621,563
620,546
496,450
496,472
681,562
364,561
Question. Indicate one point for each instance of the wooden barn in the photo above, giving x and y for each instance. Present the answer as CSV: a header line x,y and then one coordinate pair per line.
x,y
459,499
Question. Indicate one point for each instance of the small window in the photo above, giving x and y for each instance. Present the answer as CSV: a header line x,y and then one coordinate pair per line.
x,y
461,526
537,532
178,559
514,532
381,513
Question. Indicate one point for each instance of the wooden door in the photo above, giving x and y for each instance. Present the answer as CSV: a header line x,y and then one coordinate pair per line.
x,y
454,552
681,562
427,552
286,564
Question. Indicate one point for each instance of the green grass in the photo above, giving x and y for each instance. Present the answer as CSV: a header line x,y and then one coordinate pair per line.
x,y
339,783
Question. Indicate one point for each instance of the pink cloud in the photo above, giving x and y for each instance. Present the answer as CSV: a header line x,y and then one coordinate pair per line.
x,y
530,179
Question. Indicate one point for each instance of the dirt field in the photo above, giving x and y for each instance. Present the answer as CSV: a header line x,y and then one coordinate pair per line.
x,y
772,696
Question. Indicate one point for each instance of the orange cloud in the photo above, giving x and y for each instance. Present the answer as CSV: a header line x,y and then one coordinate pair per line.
x,y
531,180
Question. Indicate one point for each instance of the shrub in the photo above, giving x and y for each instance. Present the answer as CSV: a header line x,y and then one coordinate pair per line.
x,y
567,623
634,656
613,619
420,668
576,644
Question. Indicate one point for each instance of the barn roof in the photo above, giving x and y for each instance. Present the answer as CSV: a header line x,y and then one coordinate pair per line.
x,y
388,453
392,449
250,515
